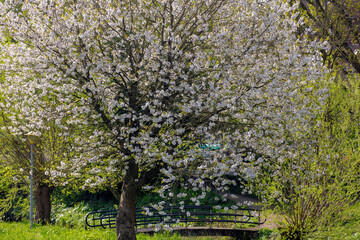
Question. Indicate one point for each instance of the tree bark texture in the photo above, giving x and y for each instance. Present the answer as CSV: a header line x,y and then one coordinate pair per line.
x,y
126,215
42,203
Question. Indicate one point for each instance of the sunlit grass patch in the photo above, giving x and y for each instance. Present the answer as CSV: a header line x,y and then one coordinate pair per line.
x,y
346,228
22,231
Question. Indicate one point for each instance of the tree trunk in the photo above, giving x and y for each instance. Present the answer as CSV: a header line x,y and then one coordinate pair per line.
x,y
42,203
126,216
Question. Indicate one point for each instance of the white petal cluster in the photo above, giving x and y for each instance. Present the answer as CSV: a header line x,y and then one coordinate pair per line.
x,y
156,80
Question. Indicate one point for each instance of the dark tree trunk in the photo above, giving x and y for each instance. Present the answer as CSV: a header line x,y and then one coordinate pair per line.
x,y
42,203
126,215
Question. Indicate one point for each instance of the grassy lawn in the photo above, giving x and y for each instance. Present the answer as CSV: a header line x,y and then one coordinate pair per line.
x,y
21,231
348,228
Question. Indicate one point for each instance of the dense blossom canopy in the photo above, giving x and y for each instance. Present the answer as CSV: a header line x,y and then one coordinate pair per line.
x,y
149,82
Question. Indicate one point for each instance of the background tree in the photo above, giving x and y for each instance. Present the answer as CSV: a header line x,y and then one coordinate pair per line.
x,y
150,80
337,22
313,188
49,155
50,149
14,194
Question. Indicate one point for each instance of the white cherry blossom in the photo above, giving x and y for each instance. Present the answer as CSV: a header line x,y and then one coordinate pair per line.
x,y
151,82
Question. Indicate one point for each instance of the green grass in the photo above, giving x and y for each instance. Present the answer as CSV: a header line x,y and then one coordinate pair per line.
x,y
22,231
347,228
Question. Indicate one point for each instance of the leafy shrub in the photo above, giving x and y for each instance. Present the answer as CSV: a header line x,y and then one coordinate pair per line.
x,y
71,207
311,189
102,200
72,217
14,195
265,233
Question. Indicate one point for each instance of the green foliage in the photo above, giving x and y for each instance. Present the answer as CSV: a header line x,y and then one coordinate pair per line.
x,y
265,233
146,198
312,190
101,200
71,217
70,209
337,22
347,227
14,192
